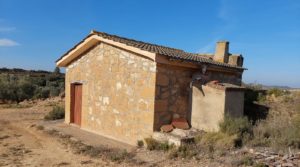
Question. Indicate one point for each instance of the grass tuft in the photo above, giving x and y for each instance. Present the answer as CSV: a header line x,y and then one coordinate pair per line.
x,y
57,112
153,144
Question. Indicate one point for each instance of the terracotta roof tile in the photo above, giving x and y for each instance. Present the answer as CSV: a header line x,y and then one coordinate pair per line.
x,y
172,53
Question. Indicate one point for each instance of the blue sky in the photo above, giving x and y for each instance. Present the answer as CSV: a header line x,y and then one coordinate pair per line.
x,y
34,33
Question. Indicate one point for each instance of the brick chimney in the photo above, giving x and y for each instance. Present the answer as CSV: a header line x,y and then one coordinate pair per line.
x,y
221,54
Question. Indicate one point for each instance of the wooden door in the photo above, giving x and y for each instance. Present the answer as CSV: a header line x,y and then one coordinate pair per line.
x,y
76,103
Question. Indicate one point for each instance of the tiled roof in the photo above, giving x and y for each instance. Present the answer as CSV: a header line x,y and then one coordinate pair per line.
x,y
172,53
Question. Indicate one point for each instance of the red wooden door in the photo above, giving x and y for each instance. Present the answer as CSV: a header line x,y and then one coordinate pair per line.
x,y
76,103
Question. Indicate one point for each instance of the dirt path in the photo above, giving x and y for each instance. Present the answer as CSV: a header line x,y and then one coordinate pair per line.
x,y
22,145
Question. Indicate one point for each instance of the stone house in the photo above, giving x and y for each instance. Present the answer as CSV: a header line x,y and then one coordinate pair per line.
x,y
126,89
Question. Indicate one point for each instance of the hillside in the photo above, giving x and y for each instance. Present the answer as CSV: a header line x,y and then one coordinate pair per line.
x,y
18,84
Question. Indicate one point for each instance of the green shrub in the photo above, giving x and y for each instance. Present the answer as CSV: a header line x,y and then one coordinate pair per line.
x,y
19,87
279,133
261,98
119,156
153,144
185,151
56,113
238,126
218,140
140,143
54,91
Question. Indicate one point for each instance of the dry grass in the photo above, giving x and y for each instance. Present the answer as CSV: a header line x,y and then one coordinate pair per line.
x,y
186,151
153,144
57,112
281,129
16,105
217,140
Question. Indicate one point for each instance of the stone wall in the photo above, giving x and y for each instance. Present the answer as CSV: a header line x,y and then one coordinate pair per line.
x,y
172,93
118,92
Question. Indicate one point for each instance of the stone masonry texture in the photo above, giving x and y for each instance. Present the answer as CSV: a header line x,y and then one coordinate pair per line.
x,y
127,96
118,92
172,93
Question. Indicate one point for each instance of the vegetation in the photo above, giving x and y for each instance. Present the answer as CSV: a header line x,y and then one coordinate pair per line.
x,y
19,85
277,92
101,151
57,112
16,105
153,144
40,127
140,143
185,151
278,133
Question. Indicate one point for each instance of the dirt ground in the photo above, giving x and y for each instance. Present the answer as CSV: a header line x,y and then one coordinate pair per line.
x,y
22,144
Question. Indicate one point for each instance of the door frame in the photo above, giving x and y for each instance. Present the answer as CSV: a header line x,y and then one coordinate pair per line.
x,y
72,102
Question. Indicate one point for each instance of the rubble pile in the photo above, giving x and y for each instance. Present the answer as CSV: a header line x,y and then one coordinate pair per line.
x,y
274,159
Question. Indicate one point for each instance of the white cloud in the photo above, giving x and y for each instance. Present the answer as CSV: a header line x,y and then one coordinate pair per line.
x,y
7,29
7,42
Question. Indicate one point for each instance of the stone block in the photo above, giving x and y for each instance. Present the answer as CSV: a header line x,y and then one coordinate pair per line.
x,y
172,139
166,128
161,105
180,123
162,80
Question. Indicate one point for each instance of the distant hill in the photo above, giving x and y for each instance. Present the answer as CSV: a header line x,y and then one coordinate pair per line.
x,y
19,71
278,87
266,87
18,84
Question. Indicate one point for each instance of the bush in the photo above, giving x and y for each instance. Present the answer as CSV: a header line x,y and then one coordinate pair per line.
x,y
54,91
56,113
119,156
153,144
140,143
217,140
233,133
261,98
238,126
30,85
185,151
279,133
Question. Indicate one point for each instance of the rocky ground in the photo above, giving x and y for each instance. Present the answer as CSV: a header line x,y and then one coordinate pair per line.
x,y
274,159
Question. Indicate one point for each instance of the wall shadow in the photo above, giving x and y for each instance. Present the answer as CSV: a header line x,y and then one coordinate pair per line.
x,y
253,110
